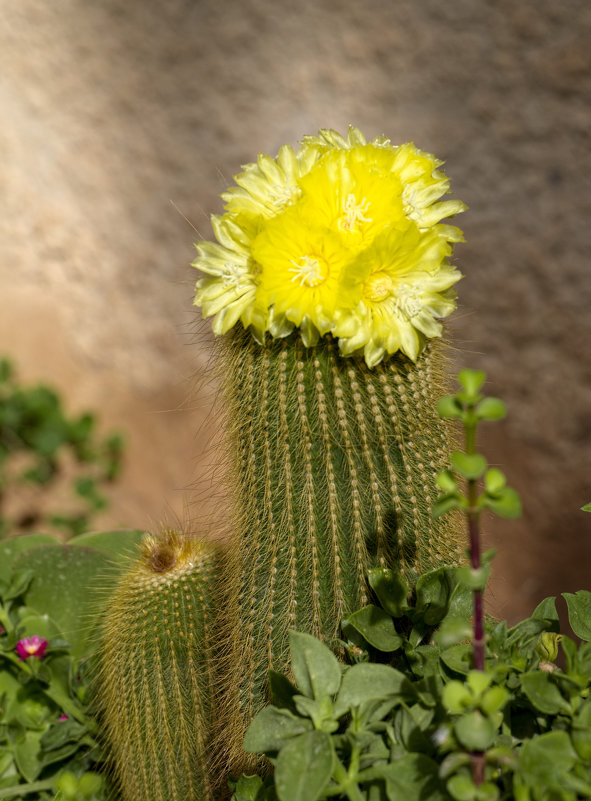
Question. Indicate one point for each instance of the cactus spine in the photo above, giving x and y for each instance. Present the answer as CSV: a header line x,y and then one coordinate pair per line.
x,y
155,676
335,473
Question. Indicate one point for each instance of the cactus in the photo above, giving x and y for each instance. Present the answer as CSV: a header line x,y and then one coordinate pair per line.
x,y
335,473
155,677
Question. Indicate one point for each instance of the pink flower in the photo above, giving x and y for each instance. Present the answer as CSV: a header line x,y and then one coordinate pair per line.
x,y
63,717
31,646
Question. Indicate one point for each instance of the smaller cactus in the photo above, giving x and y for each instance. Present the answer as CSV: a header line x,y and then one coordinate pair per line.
x,y
154,683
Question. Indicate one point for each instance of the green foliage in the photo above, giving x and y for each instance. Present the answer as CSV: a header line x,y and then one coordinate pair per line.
x,y
470,407
41,446
48,737
410,719
421,712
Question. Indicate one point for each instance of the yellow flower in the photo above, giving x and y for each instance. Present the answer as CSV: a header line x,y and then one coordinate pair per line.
x,y
404,280
227,292
341,236
268,186
300,266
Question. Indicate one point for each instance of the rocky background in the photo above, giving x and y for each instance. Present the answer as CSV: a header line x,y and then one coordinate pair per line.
x,y
122,120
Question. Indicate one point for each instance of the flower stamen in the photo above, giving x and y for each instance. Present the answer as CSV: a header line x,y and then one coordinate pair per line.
x,y
308,273
408,301
354,213
233,275
378,287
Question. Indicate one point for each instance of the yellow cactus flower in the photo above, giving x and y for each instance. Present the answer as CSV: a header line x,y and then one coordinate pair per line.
x,y
404,280
340,237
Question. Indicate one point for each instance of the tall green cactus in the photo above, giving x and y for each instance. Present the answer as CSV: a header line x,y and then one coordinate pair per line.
x,y
335,473
155,680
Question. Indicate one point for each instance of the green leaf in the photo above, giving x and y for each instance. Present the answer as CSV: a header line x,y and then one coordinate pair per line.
x,y
320,712
469,465
494,700
70,585
475,731
433,595
413,777
314,666
456,697
504,503
450,407
377,627
471,381
579,613
547,758
12,548
282,690
543,693
33,709
586,508
446,504
546,610
581,731
246,788
391,589
458,658
27,752
304,767
367,682
461,787
494,480
451,631
19,581
121,545
271,728
491,409
446,482
479,681
473,578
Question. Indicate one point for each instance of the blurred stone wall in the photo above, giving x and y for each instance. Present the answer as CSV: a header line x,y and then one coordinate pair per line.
x,y
122,121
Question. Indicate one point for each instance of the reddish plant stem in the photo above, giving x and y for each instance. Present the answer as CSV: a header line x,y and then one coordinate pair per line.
x,y
478,761
474,534
477,758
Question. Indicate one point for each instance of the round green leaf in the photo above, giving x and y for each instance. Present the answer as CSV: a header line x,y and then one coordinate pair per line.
x,y
491,409
450,407
468,465
68,585
471,380
475,731
461,787
456,697
121,545
479,681
445,504
304,767
494,700
494,480
446,481
504,503
12,548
